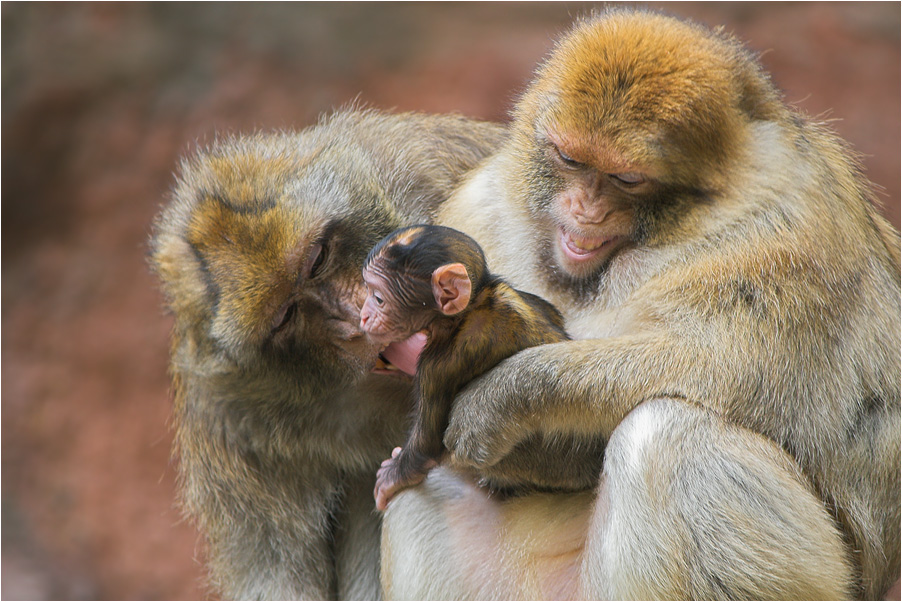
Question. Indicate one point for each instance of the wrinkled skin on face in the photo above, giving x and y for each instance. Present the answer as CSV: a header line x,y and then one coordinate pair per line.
x,y
394,326
384,317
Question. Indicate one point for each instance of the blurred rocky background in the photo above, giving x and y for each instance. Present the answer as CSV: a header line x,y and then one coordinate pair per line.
x,y
98,103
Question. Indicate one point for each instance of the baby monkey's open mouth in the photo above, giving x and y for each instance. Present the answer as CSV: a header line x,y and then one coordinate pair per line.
x,y
401,357
383,366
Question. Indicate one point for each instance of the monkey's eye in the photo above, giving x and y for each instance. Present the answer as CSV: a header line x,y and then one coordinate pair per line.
x,y
283,316
567,159
378,298
630,178
315,260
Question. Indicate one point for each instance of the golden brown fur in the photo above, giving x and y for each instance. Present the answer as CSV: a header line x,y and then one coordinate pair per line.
x,y
739,344
433,279
279,426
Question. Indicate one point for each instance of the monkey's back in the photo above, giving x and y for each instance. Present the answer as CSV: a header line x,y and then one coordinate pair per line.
x,y
499,322
539,321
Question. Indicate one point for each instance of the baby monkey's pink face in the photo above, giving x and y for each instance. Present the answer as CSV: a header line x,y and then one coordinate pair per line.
x,y
382,317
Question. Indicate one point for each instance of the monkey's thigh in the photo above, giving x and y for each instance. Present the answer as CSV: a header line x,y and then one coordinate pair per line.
x,y
691,507
447,539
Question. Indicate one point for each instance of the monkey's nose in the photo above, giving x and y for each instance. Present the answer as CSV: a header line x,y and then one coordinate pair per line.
x,y
589,215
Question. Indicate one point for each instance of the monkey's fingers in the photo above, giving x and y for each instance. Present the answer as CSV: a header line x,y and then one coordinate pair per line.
x,y
386,487
389,482
386,490
383,496
384,479
395,452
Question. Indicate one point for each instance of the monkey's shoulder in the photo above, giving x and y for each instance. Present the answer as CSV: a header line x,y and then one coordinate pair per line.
x,y
499,322
524,316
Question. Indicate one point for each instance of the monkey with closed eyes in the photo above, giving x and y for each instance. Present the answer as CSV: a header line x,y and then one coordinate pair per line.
x,y
435,279
733,295
279,421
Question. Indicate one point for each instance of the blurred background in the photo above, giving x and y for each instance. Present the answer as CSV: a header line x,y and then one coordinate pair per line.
x,y
99,103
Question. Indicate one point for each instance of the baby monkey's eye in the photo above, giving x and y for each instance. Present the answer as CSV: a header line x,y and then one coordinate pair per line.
x,y
378,298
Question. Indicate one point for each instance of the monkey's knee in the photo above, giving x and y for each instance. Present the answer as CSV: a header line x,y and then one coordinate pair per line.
x,y
440,541
693,507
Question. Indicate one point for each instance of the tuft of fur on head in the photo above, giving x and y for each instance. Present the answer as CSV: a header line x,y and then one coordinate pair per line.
x,y
415,252
652,90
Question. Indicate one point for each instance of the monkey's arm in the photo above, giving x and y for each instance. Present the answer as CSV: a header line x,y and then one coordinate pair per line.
x,y
575,388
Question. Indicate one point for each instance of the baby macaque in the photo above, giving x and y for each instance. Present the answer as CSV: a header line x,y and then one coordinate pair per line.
x,y
434,279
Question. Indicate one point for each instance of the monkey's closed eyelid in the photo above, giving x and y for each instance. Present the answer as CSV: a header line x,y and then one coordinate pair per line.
x,y
283,316
315,259
565,158
630,178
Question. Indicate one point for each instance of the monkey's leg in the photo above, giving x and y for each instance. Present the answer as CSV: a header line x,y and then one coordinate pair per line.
x,y
424,446
404,469
551,463
448,540
691,507
422,532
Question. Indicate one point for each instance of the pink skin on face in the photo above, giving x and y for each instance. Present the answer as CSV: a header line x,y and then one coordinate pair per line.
x,y
580,255
589,228
402,354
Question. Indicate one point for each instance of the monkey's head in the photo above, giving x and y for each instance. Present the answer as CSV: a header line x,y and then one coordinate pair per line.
x,y
416,275
260,254
633,120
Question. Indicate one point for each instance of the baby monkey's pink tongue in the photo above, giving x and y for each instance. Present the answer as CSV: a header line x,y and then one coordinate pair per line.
x,y
404,355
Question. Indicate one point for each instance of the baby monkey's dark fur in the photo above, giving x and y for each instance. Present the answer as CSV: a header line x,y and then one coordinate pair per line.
x,y
492,322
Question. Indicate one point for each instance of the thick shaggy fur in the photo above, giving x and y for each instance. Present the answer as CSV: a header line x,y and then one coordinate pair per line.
x,y
279,427
741,352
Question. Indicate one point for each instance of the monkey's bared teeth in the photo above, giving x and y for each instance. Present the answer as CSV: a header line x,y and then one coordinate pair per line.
x,y
383,364
580,249
581,244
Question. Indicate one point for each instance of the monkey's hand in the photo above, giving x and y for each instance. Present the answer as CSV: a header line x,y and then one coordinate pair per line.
x,y
393,476
493,413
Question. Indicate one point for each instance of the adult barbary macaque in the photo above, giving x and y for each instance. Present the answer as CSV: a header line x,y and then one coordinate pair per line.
x,y
280,426
736,299
434,279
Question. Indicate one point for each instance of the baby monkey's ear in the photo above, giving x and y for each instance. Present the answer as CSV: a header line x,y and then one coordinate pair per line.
x,y
451,287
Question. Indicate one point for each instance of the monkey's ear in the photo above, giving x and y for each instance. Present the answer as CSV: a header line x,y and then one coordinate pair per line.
x,y
451,287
